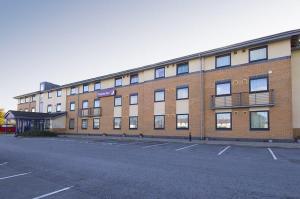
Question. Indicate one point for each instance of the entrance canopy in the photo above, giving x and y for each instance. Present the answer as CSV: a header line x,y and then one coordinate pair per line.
x,y
26,121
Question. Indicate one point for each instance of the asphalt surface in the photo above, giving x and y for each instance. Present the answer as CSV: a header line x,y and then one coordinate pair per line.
x,y
86,168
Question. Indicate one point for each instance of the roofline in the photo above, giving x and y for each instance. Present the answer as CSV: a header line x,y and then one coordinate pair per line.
x,y
249,43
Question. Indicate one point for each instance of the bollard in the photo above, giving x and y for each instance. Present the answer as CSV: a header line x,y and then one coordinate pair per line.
x,y
190,137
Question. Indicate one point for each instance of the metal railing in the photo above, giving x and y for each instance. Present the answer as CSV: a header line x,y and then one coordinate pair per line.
x,y
90,112
243,99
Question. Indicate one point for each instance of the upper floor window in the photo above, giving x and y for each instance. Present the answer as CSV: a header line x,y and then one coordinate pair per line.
x,y
49,95
49,108
85,104
42,87
96,103
134,79
72,106
85,88
58,107
182,68
159,72
27,99
182,93
118,81
259,84
159,95
58,93
118,101
223,60
73,90
22,100
97,86
133,99
223,88
257,54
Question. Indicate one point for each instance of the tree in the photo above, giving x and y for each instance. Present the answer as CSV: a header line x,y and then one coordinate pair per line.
x,y
2,120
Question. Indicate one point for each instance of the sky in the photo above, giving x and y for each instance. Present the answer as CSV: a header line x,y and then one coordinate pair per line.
x,y
63,41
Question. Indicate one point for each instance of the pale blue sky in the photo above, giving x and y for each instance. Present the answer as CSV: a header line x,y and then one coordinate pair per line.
x,y
63,41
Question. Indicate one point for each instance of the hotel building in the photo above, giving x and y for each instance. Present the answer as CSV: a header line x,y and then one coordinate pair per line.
x,y
248,90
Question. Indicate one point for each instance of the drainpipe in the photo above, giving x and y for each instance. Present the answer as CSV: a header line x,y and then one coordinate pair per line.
x,y
77,111
202,99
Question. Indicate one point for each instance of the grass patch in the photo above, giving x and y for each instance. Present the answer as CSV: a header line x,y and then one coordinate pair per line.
x,y
37,133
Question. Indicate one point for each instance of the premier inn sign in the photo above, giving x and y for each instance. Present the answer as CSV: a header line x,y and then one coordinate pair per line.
x,y
106,92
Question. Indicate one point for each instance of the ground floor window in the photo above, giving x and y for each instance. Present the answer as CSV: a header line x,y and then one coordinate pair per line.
x,y
96,123
71,124
133,122
47,124
223,121
259,120
84,123
117,122
182,121
159,122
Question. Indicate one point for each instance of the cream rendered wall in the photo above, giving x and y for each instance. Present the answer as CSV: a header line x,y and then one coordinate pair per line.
x,y
159,108
54,100
182,106
133,110
118,111
170,70
194,65
126,80
149,75
209,63
107,83
58,123
241,57
279,49
295,62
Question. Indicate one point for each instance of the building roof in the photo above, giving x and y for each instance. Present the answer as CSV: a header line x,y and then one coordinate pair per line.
x,y
249,43
31,115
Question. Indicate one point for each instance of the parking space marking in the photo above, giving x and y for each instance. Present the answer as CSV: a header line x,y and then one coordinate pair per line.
x,y
154,145
13,176
4,163
221,152
186,147
272,153
52,193
131,143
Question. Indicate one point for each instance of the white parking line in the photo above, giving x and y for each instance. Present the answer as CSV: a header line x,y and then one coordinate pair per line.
x,y
154,145
21,174
131,143
221,152
273,155
4,163
186,147
52,193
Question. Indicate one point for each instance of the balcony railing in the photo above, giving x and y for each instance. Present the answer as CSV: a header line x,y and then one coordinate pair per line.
x,y
243,100
90,112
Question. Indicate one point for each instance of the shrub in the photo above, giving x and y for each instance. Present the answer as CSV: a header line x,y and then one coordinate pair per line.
x,y
37,133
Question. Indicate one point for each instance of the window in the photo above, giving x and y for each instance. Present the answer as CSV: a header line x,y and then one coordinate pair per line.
x,y
159,95
96,123
259,120
96,103
85,104
58,93
33,110
85,88
73,90
257,54
47,124
22,101
159,122
134,79
84,123
259,84
71,124
42,87
182,68
27,99
58,107
72,106
49,109
133,122
133,99
182,93
118,81
182,121
118,101
117,123
159,73
223,121
223,88
97,86
49,95
223,61
26,110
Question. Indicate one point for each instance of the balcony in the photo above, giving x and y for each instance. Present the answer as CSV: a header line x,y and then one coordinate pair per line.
x,y
90,112
243,100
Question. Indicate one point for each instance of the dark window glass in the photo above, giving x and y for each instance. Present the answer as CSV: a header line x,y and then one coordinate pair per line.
x,y
223,120
222,61
223,88
133,122
259,84
85,104
118,82
182,93
159,96
84,123
72,106
97,86
73,90
49,109
133,99
160,72
258,54
182,121
71,124
85,88
58,94
49,95
118,101
58,107
96,123
259,120
159,121
182,68
117,123
134,79
97,103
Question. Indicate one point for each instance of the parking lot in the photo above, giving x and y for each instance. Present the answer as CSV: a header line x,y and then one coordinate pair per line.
x,y
108,168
